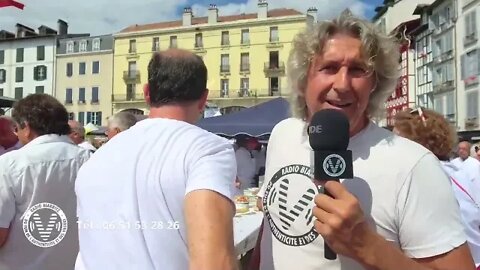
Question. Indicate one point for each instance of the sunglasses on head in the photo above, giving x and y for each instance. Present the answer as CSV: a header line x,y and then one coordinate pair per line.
x,y
419,112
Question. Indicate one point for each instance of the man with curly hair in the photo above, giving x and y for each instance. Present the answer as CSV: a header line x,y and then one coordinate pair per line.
x,y
398,212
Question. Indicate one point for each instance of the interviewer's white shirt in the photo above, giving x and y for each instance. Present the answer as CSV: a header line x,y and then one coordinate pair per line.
x,y
409,202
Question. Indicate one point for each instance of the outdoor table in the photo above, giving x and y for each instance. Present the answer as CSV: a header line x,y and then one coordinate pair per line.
x,y
246,228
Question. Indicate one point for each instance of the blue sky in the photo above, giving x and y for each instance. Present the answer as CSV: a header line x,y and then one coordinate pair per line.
x,y
110,16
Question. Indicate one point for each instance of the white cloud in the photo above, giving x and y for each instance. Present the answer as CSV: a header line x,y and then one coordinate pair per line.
x,y
107,16
326,8
89,16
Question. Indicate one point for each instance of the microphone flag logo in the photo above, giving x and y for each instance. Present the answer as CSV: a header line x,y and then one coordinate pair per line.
x,y
334,165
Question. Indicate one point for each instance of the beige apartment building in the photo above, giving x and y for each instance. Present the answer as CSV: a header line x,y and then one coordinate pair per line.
x,y
84,78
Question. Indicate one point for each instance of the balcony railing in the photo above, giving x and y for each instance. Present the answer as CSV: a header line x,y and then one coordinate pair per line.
x,y
224,68
247,93
225,42
128,97
245,67
471,122
443,86
131,75
273,67
443,57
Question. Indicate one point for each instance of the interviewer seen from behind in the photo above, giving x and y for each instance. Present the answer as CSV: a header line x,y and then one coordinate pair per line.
x,y
432,130
398,212
159,195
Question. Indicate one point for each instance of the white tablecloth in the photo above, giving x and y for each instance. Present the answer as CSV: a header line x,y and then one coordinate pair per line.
x,y
246,229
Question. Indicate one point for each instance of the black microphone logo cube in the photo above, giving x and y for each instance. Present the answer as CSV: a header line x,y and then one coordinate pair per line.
x,y
329,165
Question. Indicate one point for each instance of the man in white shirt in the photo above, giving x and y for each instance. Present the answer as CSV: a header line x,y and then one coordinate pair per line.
x,y
8,139
246,164
166,203
77,135
38,227
468,164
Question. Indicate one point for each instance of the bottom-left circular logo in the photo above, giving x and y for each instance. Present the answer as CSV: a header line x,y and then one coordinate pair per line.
x,y
45,224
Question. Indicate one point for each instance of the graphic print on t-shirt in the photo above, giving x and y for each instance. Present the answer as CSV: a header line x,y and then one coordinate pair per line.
x,y
288,203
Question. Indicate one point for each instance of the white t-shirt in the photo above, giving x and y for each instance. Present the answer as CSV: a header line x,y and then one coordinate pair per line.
x,y
43,171
145,187
246,167
469,206
471,167
402,189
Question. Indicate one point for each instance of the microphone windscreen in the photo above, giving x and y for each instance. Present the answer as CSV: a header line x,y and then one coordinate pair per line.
x,y
329,130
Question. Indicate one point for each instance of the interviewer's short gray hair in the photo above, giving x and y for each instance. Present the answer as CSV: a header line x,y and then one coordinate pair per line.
x,y
381,50
122,120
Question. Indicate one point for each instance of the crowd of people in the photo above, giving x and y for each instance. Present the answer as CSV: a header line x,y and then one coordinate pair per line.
x,y
160,193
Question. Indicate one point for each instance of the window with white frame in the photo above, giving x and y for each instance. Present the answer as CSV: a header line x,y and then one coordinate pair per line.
x,y
96,44
429,73
421,79
437,47
425,100
173,42
244,87
450,71
245,37
94,118
438,104
448,41
450,106
434,21
438,76
198,40
81,118
225,63
470,27
224,84
155,44
274,34
470,67
83,46
40,73
472,104
428,39
3,75
225,38
70,46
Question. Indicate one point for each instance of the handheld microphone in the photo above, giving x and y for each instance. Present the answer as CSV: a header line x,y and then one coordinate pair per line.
x,y
329,136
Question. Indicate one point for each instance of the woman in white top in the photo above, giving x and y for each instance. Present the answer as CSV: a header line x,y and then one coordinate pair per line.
x,y
432,130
